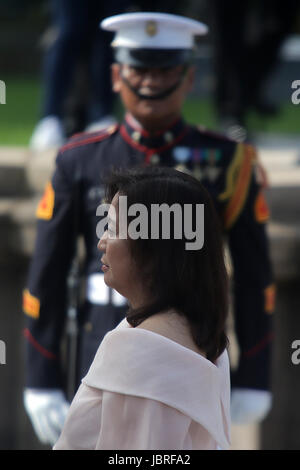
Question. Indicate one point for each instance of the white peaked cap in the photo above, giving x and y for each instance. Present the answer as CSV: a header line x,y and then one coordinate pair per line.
x,y
148,30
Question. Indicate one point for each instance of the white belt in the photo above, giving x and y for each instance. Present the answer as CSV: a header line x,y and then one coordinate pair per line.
x,y
97,292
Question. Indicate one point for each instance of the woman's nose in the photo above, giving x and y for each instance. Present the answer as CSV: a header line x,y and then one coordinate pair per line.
x,y
102,242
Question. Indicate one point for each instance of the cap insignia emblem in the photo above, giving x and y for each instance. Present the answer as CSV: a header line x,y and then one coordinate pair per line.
x,y
151,28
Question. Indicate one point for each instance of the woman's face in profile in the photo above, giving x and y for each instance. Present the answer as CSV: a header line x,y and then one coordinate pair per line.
x,y
120,270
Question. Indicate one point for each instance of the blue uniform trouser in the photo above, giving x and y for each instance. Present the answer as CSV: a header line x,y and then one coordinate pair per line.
x,y
80,38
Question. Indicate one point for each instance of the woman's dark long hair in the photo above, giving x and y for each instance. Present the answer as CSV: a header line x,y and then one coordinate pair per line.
x,y
192,282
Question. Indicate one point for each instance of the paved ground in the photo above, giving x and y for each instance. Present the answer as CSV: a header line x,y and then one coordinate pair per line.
x,y
281,157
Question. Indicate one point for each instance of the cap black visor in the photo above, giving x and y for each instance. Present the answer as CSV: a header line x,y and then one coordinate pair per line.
x,y
153,57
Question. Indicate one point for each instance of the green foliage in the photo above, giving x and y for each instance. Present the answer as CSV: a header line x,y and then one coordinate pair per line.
x,y
21,112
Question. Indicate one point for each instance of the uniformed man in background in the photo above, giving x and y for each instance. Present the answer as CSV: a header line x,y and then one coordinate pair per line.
x,y
153,72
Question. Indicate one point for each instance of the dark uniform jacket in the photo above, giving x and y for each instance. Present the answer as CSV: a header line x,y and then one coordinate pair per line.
x,y
68,208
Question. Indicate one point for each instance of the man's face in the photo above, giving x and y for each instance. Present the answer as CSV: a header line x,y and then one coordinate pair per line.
x,y
151,82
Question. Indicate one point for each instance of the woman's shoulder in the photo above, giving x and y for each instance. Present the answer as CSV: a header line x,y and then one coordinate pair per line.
x,y
172,326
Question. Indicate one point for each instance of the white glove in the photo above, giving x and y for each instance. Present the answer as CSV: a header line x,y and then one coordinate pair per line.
x,y
249,406
47,410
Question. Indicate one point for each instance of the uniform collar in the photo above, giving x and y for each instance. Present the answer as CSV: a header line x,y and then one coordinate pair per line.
x,y
138,137
149,366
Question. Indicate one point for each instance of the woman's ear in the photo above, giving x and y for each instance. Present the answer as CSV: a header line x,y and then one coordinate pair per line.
x,y
116,77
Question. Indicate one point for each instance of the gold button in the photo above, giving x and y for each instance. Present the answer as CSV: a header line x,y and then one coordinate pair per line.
x,y
168,136
136,136
88,327
155,159
197,173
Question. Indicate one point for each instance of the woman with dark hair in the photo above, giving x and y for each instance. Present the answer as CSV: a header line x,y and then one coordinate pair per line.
x,y
160,380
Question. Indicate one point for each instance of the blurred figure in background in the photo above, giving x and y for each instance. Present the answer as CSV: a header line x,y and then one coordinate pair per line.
x,y
78,40
76,73
248,40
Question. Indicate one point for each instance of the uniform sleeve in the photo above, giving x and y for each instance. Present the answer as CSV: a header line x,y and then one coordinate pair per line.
x,y
252,281
44,298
